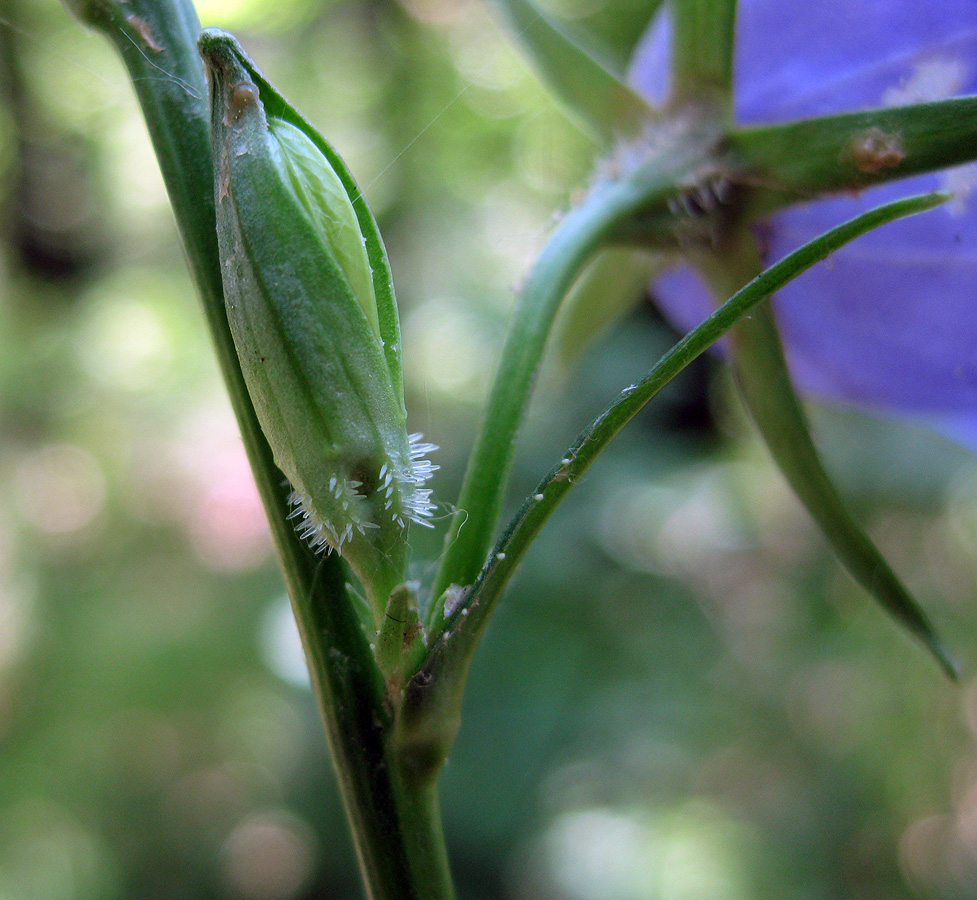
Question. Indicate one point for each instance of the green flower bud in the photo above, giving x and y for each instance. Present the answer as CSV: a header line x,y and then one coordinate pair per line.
x,y
311,309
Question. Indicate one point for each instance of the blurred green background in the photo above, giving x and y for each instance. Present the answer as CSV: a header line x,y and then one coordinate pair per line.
x,y
682,696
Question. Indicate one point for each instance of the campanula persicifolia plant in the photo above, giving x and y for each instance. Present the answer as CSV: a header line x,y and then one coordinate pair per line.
x,y
888,348
738,149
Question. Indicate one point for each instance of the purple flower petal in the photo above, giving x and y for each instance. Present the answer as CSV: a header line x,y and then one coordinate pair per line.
x,y
891,320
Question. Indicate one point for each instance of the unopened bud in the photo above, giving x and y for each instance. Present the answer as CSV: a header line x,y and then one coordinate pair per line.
x,y
311,309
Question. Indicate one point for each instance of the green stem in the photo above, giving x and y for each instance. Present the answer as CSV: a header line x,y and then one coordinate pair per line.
x,y
851,151
582,232
391,801
392,809
702,52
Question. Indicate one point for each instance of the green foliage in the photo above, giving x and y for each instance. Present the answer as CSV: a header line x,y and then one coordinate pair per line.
x,y
752,725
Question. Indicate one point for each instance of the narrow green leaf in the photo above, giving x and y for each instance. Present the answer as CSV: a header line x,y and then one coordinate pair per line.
x,y
853,151
606,106
764,383
435,693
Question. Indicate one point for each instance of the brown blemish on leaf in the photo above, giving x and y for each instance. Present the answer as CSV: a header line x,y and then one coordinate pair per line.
x,y
224,183
410,635
141,27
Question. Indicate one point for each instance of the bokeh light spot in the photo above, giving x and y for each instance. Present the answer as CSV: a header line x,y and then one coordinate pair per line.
x,y
59,488
269,856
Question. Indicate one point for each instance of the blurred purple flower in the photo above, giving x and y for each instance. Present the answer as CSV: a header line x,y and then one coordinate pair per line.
x,y
890,321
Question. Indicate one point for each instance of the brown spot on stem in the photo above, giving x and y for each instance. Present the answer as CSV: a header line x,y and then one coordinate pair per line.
x,y
243,95
874,150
